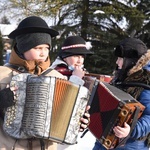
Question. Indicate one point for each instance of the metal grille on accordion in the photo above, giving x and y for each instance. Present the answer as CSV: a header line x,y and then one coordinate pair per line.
x,y
46,107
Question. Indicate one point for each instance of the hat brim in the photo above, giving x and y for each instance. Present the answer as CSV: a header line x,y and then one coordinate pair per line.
x,y
74,51
17,32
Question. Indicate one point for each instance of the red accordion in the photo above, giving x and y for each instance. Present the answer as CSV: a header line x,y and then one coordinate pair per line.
x,y
101,77
110,107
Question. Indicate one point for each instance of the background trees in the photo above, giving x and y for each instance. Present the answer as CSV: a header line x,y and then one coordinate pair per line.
x,y
102,22
1,51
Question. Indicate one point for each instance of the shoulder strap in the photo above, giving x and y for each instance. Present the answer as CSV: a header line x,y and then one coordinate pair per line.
x,y
132,84
20,69
47,71
53,73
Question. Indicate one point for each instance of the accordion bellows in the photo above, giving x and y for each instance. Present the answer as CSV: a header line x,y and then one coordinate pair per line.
x,y
46,107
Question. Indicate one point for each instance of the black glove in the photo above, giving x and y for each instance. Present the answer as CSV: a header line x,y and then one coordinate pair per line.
x,y
6,98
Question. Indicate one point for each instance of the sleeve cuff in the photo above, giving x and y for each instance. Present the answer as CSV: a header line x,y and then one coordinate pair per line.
x,y
76,80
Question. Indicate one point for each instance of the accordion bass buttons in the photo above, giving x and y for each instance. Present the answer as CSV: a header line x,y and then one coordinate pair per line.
x,y
107,143
124,112
11,114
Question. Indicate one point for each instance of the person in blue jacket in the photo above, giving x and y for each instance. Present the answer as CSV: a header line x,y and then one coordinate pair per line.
x,y
133,65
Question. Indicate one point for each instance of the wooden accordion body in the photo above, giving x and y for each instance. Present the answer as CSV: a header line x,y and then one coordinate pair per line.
x,y
110,107
46,107
101,77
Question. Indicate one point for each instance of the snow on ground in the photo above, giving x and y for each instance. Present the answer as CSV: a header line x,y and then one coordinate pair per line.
x,y
85,143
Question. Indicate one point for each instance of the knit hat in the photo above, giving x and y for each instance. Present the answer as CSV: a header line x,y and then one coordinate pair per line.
x,y
25,42
74,45
32,24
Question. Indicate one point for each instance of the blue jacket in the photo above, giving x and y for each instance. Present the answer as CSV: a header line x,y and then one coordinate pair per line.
x,y
142,127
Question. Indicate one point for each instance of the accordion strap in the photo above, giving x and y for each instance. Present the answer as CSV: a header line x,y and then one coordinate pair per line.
x,y
132,84
20,69
47,71
42,144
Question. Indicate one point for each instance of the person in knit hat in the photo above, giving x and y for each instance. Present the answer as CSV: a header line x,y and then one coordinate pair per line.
x,y
71,57
30,54
132,75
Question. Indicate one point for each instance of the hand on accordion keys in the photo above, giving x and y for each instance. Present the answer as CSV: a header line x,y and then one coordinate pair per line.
x,y
85,120
122,132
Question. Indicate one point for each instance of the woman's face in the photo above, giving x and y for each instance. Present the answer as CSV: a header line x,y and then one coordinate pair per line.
x,y
39,53
119,62
76,60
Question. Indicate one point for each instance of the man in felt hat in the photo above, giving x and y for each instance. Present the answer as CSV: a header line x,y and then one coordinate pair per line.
x,y
71,57
30,54
133,66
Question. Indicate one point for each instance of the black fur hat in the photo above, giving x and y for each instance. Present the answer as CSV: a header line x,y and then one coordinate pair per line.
x,y
130,48
32,24
74,45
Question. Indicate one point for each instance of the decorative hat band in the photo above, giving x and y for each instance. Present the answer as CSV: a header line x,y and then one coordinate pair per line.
x,y
73,46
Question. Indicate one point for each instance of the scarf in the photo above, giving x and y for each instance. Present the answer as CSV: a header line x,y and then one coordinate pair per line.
x,y
32,66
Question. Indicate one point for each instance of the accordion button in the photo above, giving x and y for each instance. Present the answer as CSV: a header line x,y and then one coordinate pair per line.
x,y
124,112
107,142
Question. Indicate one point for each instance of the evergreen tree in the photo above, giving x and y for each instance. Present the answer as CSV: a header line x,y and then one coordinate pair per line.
x,y
4,20
102,22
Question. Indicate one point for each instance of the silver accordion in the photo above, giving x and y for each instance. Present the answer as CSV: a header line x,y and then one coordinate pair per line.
x,y
46,107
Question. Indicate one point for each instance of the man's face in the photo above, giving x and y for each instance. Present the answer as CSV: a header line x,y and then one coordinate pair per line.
x,y
119,62
39,53
76,60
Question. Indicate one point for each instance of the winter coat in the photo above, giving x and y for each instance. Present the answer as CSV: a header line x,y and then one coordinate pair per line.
x,y
139,73
7,142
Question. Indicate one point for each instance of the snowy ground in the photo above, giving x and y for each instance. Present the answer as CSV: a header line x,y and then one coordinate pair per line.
x,y
85,143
